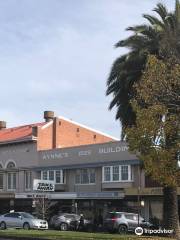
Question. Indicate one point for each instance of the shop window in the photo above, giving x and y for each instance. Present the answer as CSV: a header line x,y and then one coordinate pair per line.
x,y
28,180
118,173
53,175
85,176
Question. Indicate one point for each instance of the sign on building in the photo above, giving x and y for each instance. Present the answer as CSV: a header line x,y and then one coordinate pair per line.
x,y
43,185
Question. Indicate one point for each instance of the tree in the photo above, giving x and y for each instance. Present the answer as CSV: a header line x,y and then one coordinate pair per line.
x,y
161,38
155,136
42,206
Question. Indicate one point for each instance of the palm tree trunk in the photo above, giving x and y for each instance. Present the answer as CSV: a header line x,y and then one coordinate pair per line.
x,y
170,210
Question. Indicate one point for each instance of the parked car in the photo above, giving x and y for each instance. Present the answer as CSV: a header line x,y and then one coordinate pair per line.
x,y
123,222
68,221
21,220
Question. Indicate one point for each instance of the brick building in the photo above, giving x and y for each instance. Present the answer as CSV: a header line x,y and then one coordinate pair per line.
x,y
91,170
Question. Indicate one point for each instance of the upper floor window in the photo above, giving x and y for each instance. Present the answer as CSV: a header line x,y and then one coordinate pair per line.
x,y
11,179
1,180
28,180
53,175
85,176
117,173
1,177
11,176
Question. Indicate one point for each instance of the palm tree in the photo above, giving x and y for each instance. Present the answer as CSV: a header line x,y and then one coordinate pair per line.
x,y
160,37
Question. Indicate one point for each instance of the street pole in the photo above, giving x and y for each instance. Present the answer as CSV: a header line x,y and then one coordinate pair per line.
x,y
43,210
139,191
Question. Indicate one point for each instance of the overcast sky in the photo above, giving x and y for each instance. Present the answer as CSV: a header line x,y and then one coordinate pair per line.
x,y
57,54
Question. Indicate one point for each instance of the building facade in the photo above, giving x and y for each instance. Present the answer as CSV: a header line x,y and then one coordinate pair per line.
x,y
93,172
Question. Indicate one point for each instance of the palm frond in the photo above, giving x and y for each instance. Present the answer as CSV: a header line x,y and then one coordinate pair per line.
x,y
161,10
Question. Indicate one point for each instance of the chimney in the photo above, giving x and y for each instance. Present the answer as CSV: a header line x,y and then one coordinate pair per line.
x,y
48,115
2,125
35,131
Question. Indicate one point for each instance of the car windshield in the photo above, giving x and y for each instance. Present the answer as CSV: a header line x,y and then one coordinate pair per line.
x,y
27,215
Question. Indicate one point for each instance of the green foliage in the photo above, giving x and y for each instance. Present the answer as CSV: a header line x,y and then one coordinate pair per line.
x,y
155,136
159,37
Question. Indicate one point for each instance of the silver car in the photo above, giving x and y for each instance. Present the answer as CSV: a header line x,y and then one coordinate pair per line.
x,y
123,222
69,221
21,220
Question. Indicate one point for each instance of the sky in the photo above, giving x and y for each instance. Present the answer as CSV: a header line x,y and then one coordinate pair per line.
x,y
57,55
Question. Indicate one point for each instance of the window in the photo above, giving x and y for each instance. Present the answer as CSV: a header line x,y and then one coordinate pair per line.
x,y
107,174
11,165
131,216
124,173
53,175
28,180
85,176
12,215
11,177
1,180
117,173
44,175
59,177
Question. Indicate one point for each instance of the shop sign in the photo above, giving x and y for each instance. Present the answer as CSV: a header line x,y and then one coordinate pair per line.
x,y
100,195
144,191
113,149
84,152
55,156
43,185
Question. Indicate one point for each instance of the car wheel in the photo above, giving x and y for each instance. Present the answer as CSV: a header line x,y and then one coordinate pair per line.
x,y
63,227
2,225
26,226
122,229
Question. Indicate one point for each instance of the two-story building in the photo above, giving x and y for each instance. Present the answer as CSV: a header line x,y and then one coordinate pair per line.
x,y
93,172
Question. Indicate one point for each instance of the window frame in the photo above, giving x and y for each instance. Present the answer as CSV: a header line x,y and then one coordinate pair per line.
x,y
2,174
62,180
130,176
89,172
11,181
29,177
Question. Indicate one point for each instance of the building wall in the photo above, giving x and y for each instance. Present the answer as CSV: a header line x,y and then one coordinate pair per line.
x,y
27,158
61,133
23,154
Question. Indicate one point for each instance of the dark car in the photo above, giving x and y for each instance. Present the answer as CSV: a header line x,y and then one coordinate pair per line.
x,y
68,221
123,222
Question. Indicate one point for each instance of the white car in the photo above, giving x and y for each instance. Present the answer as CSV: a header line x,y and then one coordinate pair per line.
x,y
21,220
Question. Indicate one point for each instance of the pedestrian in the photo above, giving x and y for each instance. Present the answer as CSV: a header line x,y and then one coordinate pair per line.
x,y
81,222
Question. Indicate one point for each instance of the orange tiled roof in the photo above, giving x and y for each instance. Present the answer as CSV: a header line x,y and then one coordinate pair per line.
x,y
18,133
